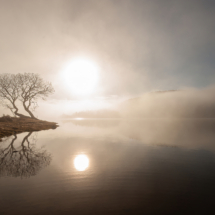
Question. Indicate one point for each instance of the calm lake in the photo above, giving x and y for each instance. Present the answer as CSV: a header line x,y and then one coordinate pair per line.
x,y
110,167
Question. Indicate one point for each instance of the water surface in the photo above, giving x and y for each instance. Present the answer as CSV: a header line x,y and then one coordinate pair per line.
x,y
110,167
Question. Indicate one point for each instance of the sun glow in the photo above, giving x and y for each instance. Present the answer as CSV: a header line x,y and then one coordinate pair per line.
x,y
81,76
81,162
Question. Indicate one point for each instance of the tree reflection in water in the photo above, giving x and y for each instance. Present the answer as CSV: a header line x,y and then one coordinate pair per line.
x,y
25,160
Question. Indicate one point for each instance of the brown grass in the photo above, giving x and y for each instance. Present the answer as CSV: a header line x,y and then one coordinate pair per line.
x,y
12,125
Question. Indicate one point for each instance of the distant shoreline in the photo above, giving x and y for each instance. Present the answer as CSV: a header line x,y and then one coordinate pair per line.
x,y
13,125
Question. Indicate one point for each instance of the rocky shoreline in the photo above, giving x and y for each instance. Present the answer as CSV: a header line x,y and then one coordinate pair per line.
x,y
12,125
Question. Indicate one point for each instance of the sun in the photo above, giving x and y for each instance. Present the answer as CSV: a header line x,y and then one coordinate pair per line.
x,y
81,76
81,162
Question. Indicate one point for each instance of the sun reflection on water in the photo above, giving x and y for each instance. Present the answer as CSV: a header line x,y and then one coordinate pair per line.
x,y
81,162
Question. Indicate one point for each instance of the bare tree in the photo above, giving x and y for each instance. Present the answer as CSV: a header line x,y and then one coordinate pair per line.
x,y
26,88
32,88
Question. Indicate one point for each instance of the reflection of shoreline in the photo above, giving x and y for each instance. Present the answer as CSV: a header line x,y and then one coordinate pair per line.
x,y
24,160
101,123
186,133
199,133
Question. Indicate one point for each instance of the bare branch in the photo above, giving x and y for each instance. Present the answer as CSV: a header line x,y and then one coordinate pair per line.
x,y
27,88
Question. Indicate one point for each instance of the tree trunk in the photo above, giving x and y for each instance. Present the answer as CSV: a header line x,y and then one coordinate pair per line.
x,y
27,110
16,111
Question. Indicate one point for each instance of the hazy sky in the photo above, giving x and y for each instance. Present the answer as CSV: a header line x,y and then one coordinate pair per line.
x,y
139,45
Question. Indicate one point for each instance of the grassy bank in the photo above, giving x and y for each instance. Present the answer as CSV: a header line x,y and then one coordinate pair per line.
x,y
12,125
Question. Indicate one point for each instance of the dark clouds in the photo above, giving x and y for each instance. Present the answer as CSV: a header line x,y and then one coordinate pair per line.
x,y
140,45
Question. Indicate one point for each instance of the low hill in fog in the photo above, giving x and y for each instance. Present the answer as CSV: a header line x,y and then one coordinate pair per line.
x,y
177,104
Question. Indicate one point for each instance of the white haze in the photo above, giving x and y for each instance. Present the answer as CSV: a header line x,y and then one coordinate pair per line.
x,y
184,103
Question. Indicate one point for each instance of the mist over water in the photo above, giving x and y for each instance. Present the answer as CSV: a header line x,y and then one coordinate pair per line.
x,y
117,166
184,103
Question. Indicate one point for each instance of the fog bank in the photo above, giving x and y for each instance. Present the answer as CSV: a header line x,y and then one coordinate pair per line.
x,y
186,103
